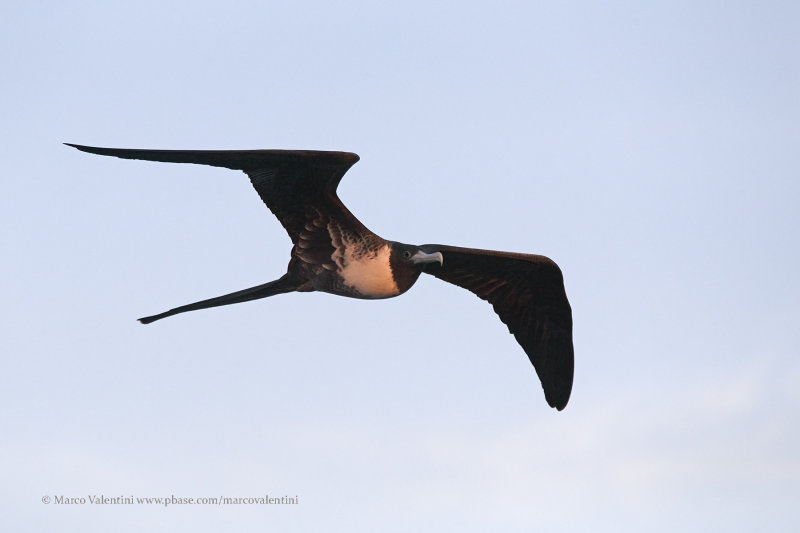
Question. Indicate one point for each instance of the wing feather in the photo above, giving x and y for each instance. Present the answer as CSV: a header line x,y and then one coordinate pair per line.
x,y
298,186
527,293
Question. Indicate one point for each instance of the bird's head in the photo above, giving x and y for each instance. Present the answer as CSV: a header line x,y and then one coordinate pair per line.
x,y
408,261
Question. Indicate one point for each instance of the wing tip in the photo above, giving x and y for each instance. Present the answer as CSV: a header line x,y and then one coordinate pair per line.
x,y
87,149
558,403
558,393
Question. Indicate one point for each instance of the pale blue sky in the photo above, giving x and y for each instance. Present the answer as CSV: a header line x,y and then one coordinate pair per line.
x,y
652,150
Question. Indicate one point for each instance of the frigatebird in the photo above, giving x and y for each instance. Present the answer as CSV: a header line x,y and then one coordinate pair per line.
x,y
334,252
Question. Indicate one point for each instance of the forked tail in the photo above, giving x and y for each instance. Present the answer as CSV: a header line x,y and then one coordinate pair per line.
x,y
279,286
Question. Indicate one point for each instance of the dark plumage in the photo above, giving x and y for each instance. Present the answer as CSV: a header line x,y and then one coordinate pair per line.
x,y
333,252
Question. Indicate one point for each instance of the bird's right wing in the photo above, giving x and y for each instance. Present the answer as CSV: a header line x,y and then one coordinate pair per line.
x,y
298,186
527,292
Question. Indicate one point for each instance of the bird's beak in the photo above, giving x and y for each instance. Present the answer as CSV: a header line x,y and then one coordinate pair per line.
x,y
421,258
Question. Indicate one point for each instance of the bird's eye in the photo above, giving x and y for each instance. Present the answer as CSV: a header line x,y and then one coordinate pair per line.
x,y
406,254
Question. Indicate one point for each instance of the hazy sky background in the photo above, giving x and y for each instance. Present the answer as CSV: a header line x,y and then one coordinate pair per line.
x,y
651,149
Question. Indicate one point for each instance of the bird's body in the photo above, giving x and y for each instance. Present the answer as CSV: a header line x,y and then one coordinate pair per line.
x,y
334,252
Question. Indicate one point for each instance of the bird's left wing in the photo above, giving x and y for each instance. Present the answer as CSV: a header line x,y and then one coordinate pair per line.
x,y
527,292
298,186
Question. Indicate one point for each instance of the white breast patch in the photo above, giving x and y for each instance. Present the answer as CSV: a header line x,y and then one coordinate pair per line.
x,y
369,274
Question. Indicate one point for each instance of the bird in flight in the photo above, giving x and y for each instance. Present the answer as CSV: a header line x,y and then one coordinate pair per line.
x,y
334,252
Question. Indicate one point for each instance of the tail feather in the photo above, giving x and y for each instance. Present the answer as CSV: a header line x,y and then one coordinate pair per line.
x,y
279,286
